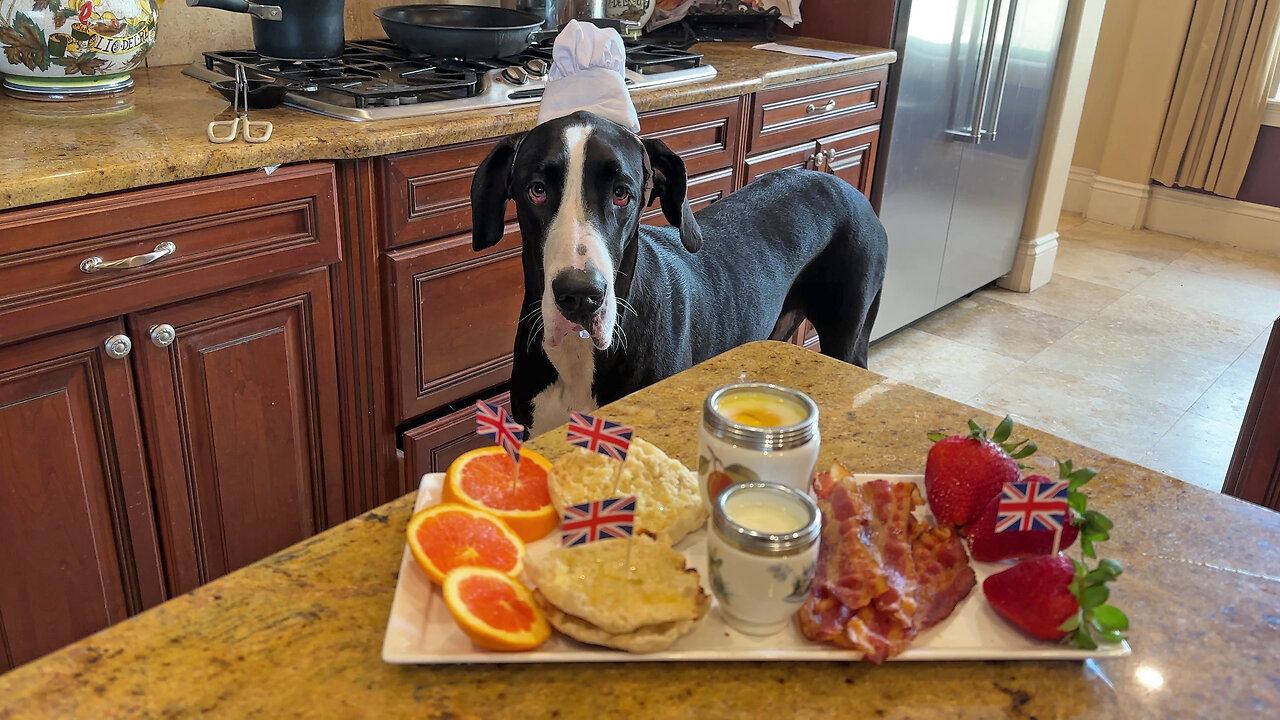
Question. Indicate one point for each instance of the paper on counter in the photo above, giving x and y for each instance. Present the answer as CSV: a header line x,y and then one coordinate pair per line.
x,y
793,50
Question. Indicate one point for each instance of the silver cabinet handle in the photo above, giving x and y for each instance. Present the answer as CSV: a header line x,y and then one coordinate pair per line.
x,y
973,133
118,346
831,156
94,264
163,335
817,159
811,108
990,134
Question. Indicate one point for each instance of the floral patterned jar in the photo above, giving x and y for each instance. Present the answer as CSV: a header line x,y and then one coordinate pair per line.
x,y
67,49
762,549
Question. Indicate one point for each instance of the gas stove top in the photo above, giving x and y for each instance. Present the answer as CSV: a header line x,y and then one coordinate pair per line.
x,y
376,80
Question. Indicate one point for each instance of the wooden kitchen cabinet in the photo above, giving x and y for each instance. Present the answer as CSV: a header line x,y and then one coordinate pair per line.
x,y
78,547
241,414
131,471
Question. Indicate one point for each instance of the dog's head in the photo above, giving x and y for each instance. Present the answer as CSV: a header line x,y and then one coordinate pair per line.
x,y
579,183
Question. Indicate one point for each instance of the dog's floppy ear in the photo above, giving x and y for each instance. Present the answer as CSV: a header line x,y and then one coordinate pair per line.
x,y
670,186
489,193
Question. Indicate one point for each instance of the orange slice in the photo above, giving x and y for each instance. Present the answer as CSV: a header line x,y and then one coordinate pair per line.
x,y
482,479
496,611
451,536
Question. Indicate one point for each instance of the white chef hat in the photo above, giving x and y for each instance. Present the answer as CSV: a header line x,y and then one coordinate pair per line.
x,y
587,73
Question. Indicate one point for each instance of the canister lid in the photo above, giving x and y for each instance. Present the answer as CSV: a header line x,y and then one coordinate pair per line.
x,y
764,542
766,439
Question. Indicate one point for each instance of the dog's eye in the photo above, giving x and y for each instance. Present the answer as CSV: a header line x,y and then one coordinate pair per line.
x,y
621,196
538,193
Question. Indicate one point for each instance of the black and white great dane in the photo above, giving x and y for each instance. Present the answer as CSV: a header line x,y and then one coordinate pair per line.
x,y
653,301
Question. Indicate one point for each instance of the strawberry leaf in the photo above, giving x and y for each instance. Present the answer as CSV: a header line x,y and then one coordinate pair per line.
x,y
935,437
1110,618
976,431
1070,624
1002,430
1096,520
1078,502
1094,596
1083,639
1028,448
1086,547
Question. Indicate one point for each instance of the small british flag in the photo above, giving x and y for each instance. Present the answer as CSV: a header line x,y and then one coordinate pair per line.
x,y
598,520
493,421
600,435
1032,505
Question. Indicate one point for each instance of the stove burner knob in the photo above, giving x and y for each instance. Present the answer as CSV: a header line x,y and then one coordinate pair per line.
x,y
537,67
515,75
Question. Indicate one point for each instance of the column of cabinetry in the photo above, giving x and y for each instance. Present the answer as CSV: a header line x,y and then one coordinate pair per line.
x,y
168,389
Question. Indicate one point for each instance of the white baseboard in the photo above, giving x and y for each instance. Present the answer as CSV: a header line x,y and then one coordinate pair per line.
x,y
1118,202
1248,226
1105,199
1079,187
1032,264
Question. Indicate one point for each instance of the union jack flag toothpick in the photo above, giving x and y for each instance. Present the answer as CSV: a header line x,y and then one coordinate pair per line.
x,y
493,421
599,520
1033,505
600,435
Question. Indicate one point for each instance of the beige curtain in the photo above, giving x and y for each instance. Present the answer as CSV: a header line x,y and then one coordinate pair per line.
x,y
1220,95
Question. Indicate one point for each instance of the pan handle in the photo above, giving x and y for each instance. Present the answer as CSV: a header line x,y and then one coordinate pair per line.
x,y
262,12
538,36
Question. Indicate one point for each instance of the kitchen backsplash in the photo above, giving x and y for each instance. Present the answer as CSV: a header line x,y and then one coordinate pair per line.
x,y
185,32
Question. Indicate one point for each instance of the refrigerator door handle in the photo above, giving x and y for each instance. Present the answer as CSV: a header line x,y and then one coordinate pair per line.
x,y
973,133
1003,70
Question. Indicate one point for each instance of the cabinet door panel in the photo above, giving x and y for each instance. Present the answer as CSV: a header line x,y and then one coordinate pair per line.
x,y
77,543
799,156
851,156
242,417
453,322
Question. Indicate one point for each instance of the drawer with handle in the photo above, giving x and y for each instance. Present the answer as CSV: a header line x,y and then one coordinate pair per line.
x,y
84,260
803,111
705,136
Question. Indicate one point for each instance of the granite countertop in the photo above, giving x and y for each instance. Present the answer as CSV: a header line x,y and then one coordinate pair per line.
x,y
54,151
300,633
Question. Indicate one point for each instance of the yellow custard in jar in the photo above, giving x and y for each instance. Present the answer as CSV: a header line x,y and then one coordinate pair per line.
x,y
759,409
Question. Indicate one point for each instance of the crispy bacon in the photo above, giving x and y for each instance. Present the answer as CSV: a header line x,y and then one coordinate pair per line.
x,y
882,576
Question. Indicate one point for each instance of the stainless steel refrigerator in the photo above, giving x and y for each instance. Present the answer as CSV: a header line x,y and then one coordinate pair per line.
x,y
973,82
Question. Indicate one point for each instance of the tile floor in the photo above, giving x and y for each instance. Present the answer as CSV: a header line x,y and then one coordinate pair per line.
x,y
1144,345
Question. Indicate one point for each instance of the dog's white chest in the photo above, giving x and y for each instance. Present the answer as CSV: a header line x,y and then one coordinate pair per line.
x,y
575,365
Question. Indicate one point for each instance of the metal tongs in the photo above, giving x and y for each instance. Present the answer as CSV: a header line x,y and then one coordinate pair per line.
x,y
224,131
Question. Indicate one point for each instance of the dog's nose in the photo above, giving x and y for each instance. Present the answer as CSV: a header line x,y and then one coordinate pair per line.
x,y
578,293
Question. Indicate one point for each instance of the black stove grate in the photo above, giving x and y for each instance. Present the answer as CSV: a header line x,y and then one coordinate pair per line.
x,y
373,73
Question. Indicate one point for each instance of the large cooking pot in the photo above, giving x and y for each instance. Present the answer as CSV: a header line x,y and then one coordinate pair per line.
x,y
291,29
466,31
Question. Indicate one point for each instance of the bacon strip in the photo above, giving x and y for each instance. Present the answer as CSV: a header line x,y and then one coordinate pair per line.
x,y
882,576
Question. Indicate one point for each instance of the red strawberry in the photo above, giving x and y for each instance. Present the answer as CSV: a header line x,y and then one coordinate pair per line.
x,y
963,472
1034,595
987,545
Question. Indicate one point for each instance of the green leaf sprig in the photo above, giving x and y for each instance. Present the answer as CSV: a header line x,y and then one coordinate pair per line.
x,y
1000,436
1095,621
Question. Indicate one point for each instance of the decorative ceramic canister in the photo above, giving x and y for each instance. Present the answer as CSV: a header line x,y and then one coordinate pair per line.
x,y
762,548
67,49
756,432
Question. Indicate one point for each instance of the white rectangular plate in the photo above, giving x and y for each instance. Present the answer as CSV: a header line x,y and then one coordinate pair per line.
x,y
421,630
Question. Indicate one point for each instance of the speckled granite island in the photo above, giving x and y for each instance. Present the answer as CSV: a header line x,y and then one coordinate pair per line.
x,y
299,634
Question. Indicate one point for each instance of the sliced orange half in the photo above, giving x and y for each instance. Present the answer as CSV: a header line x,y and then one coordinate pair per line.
x,y
483,479
496,611
450,536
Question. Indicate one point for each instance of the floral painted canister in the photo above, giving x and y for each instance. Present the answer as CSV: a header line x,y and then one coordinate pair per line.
x,y
762,551
756,432
66,49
